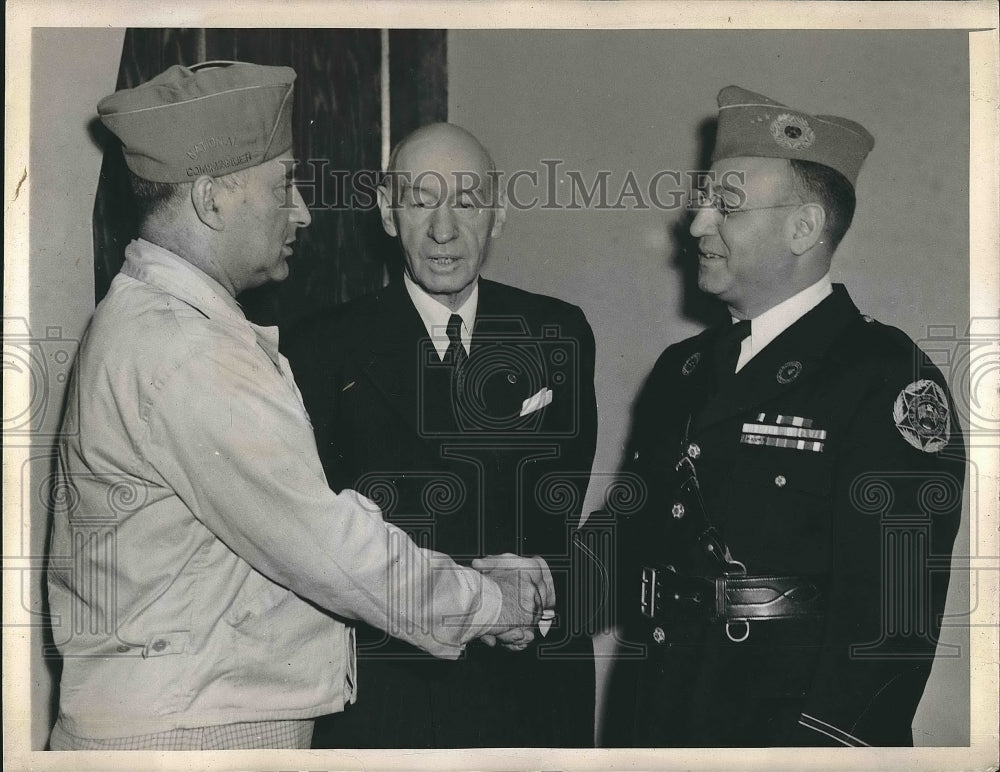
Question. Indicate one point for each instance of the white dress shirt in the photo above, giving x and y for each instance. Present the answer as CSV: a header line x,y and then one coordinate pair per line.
x,y
435,315
770,324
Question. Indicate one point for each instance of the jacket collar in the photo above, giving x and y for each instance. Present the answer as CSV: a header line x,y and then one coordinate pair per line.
x,y
172,274
796,354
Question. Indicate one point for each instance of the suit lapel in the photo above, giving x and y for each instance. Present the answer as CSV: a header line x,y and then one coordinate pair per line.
x,y
796,354
397,342
504,355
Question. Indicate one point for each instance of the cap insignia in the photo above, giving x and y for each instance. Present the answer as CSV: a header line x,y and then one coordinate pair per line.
x,y
792,131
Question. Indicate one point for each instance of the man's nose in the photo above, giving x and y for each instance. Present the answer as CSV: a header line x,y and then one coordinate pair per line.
x,y
705,222
442,225
299,213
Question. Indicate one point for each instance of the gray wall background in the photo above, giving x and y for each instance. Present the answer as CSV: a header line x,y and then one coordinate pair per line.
x,y
634,100
599,100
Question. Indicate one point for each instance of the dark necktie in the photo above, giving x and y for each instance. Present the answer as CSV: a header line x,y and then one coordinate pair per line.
x,y
727,349
456,351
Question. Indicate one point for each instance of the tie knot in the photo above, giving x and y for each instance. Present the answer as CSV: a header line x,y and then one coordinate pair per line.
x,y
727,350
455,328
737,332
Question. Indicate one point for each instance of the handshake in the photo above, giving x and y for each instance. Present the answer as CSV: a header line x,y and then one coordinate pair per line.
x,y
528,597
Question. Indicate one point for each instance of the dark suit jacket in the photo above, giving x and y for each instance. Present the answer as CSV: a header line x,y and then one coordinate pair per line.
x,y
855,507
468,479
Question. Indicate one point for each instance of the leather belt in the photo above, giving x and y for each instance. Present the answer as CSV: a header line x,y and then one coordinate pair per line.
x,y
729,598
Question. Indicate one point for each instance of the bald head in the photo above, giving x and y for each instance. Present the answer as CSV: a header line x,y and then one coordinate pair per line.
x,y
441,200
440,147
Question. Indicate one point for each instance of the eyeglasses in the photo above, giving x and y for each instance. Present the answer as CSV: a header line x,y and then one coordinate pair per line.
x,y
714,200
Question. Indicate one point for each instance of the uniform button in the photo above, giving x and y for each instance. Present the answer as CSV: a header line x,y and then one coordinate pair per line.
x,y
635,456
780,481
159,645
658,635
511,378
694,450
122,649
677,510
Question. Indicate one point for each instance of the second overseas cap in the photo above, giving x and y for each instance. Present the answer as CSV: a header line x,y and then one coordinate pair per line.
x,y
213,119
754,125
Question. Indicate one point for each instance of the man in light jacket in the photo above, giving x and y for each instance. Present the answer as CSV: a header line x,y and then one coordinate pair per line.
x,y
201,567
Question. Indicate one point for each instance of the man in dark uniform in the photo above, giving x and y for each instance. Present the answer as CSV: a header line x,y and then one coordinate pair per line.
x,y
466,409
804,471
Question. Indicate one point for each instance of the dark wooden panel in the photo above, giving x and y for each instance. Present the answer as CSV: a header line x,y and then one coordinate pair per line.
x,y
418,79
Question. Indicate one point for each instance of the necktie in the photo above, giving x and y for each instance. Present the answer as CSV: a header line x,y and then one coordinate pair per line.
x,y
727,349
456,351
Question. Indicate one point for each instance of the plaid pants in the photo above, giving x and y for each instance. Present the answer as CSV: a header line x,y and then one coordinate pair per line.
x,y
243,735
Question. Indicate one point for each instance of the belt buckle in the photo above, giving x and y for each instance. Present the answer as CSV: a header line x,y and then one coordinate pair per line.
x,y
737,630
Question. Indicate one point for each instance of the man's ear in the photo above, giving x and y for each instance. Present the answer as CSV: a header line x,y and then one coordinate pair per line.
x,y
204,193
807,226
385,209
499,213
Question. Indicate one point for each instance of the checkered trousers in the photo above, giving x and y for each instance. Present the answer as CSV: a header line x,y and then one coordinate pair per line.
x,y
243,735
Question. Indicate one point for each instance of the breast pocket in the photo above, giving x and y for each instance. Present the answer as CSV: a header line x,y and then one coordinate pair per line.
x,y
780,507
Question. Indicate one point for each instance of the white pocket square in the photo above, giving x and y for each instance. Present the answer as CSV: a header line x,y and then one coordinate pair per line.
x,y
536,402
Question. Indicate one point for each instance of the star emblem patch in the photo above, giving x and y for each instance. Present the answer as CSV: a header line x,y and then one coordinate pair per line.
x,y
922,416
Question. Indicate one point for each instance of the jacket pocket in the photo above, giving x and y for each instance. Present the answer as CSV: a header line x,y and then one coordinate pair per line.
x,y
256,596
165,644
779,509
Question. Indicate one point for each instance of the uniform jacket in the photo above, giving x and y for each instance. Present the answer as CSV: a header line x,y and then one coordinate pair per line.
x,y
197,555
834,454
468,481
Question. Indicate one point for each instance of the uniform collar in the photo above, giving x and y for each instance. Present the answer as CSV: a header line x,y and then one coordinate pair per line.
x,y
168,271
770,324
171,273
435,315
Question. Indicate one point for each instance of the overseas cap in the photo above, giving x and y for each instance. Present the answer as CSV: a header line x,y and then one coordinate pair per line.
x,y
754,125
213,118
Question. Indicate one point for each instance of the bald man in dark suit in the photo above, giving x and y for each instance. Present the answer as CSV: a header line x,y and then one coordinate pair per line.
x,y
466,409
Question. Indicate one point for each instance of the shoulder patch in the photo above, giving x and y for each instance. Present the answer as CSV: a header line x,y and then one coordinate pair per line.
x,y
922,416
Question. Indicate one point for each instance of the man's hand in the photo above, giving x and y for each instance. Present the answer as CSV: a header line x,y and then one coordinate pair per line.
x,y
527,588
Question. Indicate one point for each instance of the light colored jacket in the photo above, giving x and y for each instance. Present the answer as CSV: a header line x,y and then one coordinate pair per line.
x,y
197,552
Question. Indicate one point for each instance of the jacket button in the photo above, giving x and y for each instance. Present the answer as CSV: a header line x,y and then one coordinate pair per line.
x,y
658,635
693,450
511,378
677,510
780,481
159,645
